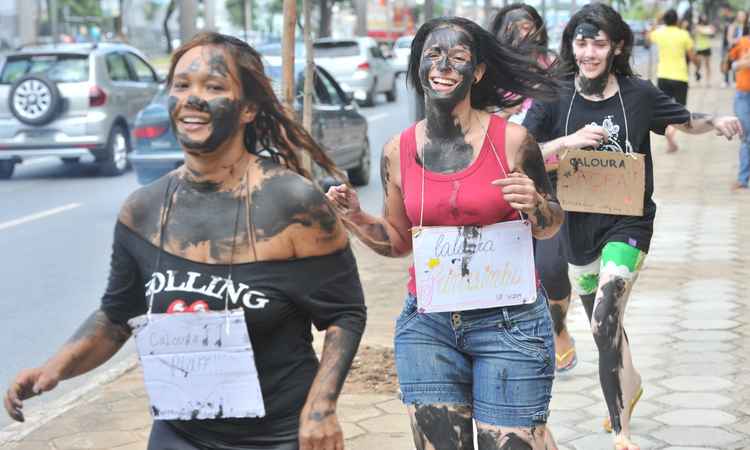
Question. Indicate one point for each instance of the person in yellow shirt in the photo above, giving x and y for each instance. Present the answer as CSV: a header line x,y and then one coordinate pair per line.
x,y
675,50
704,35
739,55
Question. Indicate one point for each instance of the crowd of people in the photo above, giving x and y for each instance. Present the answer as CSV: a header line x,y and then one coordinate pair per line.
x,y
241,232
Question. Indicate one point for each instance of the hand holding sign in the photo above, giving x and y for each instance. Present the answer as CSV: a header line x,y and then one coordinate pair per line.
x,y
589,136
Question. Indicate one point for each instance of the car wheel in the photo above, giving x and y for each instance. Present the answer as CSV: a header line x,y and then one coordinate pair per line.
x,y
370,97
391,95
34,99
6,169
69,161
115,159
360,175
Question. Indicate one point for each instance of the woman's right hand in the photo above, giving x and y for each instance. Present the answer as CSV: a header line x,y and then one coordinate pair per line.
x,y
588,136
345,200
28,383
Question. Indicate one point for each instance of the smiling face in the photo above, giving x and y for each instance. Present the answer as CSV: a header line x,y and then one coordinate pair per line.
x,y
205,104
593,53
447,68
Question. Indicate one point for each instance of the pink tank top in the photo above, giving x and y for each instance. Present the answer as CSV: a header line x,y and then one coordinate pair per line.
x,y
461,198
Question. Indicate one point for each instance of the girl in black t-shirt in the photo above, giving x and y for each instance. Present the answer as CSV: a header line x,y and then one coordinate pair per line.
x,y
231,229
604,107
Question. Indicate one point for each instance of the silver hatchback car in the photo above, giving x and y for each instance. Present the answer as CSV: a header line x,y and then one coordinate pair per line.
x,y
72,101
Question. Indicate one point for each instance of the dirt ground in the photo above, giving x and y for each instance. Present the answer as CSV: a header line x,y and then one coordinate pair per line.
x,y
373,372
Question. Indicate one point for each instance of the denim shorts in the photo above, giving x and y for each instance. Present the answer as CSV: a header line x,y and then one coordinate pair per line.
x,y
500,361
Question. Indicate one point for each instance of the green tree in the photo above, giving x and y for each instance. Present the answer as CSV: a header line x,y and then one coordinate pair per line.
x,y
82,8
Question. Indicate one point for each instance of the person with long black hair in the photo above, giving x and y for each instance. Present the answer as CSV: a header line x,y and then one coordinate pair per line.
x,y
520,25
239,232
603,106
466,171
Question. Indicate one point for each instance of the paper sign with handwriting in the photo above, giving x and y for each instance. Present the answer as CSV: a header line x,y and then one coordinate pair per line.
x,y
473,267
602,182
194,369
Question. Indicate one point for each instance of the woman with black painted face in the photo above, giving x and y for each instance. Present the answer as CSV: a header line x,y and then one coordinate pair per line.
x,y
466,171
241,237
521,25
603,106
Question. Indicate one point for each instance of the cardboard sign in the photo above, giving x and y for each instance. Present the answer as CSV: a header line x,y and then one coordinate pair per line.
x,y
601,182
471,267
194,369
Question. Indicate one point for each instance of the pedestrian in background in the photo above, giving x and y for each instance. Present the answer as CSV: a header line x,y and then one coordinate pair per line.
x,y
520,25
466,169
739,58
239,230
733,33
704,36
604,107
675,51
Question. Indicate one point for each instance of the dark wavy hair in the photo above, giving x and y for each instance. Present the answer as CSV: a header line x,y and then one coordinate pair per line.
x,y
606,19
508,70
539,36
279,136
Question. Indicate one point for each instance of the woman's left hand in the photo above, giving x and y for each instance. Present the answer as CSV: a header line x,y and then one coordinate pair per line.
x,y
520,192
728,126
320,430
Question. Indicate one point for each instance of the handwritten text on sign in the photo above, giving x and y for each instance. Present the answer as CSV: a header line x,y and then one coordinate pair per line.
x,y
470,267
194,369
602,182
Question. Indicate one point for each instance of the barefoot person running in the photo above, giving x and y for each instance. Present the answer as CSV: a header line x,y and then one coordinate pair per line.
x,y
521,24
468,174
604,107
229,238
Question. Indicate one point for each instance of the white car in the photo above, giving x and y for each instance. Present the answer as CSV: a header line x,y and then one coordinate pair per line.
x,y
401,52
359,66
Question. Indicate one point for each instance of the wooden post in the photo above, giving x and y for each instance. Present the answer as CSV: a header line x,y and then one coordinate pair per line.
x,y
287,55
309,67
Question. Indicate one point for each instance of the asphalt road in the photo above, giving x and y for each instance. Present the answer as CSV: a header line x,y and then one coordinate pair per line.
x,y
56,225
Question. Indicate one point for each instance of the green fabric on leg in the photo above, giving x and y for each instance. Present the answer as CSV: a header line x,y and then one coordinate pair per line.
x,y
621,257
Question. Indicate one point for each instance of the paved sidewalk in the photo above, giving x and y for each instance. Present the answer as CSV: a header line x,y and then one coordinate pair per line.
x,y
687,322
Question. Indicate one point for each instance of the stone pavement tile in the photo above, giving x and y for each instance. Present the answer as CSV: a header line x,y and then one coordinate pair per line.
x,y
696,383
690,448
394,406
382,441
696,354
387,423
574,384
361,400
562,433
566,417
711,368
700,436
696,417
95,440
570,402
692,350
694,400
351,430
705,335
355,413
644,408
604,442
708,324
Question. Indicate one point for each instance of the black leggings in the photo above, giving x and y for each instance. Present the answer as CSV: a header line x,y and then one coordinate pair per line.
x,y
165,437
552,265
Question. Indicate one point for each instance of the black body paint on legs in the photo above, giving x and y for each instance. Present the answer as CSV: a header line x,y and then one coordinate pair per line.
x,y
494,440
446,149
223,113
444,428
417,435
587,300
608,338
558,314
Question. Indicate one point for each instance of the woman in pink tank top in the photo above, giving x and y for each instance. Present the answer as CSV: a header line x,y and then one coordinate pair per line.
x,y
464,168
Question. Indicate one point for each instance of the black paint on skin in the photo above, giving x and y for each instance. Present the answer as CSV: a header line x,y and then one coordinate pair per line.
x,y
217,64
418,436
510,25
558,317
446,149
494,440
472,235
594,87
444,428
385,172
223,114
283,200
378,236
587,300
608,338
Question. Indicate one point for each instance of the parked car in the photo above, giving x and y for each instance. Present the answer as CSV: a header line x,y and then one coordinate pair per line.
x,y
359,66
73,101
337,126
401,52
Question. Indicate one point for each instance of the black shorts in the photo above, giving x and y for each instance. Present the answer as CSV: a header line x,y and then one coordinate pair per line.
x,y
552,266
675,89
165,437
704,52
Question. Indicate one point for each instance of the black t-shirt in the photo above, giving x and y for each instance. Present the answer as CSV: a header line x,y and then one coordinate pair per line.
x,y
280,299
648,109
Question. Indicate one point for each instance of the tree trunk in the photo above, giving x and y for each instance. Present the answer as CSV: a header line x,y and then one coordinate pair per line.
x,y
360,7
287,55
167,16
429,10
324,29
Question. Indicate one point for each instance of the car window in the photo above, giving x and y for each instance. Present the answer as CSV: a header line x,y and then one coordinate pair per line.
x,y
117,67
143,71
403,43
59,68
340,49
332,95
375,52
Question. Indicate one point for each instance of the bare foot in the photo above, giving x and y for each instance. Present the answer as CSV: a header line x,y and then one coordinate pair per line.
x,y
623,442
738,186
672,147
